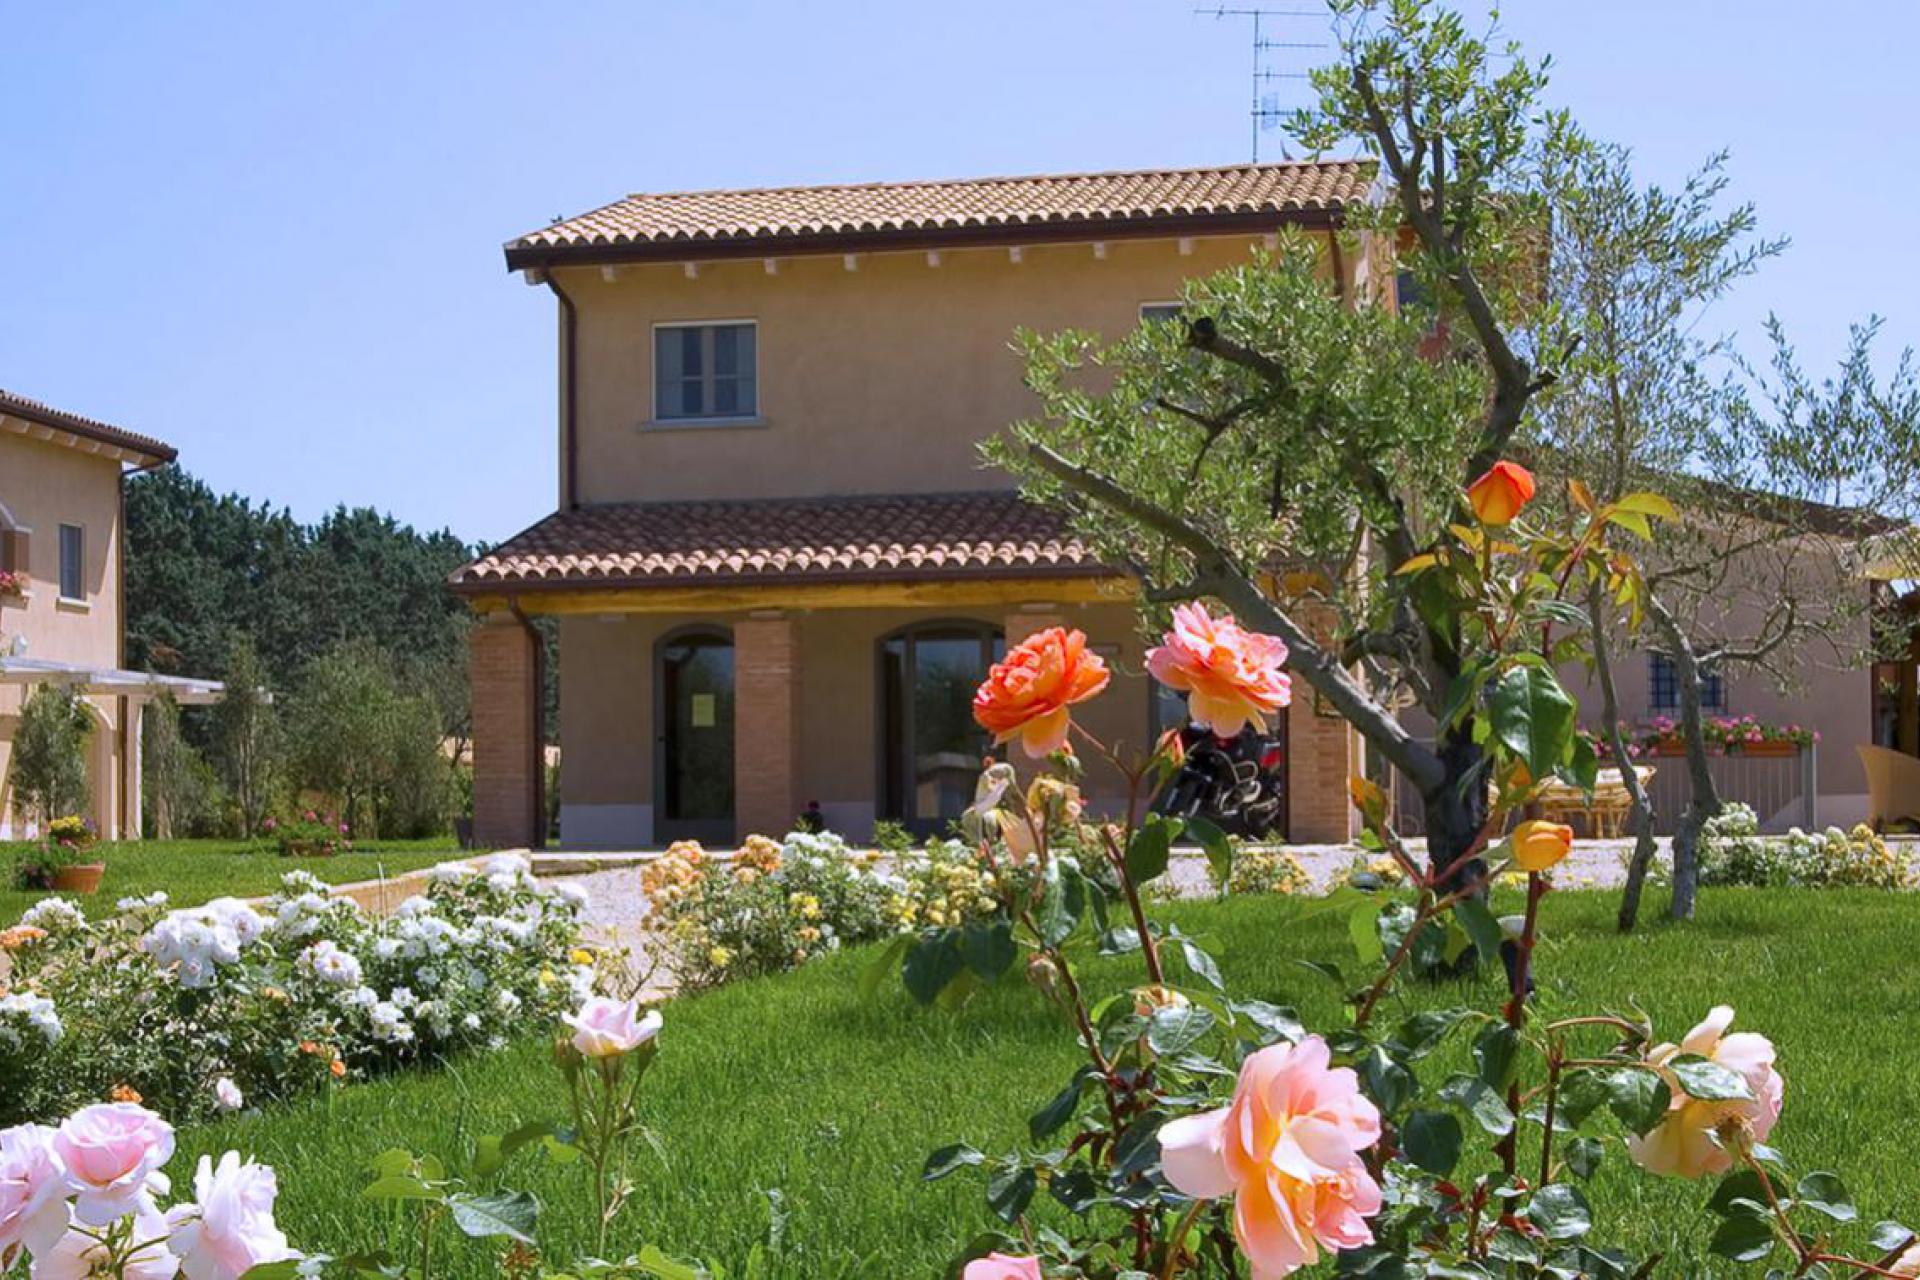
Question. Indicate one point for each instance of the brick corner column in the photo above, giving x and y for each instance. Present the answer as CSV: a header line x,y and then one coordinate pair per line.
x,y
1321,759
766,726
506,785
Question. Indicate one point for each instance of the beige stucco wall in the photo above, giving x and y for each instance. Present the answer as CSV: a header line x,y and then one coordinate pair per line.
x,y
877,380
42,486
607,710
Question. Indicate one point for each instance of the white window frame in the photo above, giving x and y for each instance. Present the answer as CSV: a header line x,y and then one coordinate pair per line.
x,y
657,423
80,570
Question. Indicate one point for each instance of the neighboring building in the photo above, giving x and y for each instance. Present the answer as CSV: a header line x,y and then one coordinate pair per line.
x,y
61,526
778,565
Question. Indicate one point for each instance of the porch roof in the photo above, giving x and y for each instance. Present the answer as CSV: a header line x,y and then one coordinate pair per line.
x,y
110,680
786,541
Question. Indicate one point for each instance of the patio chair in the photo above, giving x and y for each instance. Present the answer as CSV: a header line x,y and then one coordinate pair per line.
x,y
1893,787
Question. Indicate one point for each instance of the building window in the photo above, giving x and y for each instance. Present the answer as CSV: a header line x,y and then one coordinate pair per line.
x,y
1161,312
705,372
73,562
1664,687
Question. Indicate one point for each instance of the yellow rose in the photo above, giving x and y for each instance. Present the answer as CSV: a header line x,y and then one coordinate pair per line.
x,y
1539,846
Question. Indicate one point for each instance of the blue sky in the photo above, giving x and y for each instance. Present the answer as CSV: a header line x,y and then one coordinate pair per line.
x,y
270,233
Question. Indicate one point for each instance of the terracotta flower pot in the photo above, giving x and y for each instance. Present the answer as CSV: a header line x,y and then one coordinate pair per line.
x,y
82,878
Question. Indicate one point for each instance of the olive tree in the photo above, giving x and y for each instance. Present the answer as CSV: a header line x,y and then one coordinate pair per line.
x,y
1290,432
50,754
1789,485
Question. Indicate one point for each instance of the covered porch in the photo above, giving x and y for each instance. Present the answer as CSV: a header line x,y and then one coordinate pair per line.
x,y
712,699
117,700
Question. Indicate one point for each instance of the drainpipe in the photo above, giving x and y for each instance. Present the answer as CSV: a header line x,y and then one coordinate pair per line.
x,y
569,467
538,764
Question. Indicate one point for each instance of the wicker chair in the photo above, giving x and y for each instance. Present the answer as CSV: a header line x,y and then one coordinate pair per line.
x,y
1893,786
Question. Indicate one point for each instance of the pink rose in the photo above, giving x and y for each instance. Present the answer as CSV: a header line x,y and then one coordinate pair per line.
x,y
1002,1266
33,1199
230,1228
607,1028
1287,1149
80,1255
1683,1142
1230,675
107,1154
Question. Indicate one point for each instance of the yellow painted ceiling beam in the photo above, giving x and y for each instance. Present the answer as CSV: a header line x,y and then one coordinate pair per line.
x,y
845,595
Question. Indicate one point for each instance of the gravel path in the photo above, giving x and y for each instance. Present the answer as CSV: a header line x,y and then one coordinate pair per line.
x,y
616,904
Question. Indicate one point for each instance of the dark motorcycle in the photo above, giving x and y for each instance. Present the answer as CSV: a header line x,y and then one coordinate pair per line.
x,y
1237,783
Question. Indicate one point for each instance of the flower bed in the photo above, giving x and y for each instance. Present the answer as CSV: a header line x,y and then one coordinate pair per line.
x,y
1733,852
1724,735
169,1004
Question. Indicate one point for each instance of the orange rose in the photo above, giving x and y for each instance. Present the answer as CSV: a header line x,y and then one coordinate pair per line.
x,y
1027,693
1498,495
1230,675
1539,846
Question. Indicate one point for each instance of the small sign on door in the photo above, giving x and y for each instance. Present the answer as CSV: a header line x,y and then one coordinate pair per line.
x,y
705,711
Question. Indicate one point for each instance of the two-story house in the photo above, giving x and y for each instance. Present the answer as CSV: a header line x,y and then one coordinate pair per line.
x,y
778,564
62,546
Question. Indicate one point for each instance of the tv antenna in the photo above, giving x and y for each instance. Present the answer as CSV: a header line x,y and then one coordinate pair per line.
x,y
1266,113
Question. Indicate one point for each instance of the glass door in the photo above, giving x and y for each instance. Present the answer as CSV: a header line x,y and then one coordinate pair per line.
x,y
694,771
930,746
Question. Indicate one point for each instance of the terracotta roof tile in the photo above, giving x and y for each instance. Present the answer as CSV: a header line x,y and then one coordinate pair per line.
x,y
947,535
30,410
779,214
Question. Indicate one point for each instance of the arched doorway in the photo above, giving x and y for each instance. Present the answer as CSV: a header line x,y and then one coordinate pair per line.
x,y
693,717
930,747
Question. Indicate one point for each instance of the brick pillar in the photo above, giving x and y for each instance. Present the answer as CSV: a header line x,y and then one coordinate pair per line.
x,y
766,726
1320,758
506,758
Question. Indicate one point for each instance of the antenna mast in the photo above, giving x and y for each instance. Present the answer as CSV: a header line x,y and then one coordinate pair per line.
x,y
1266,111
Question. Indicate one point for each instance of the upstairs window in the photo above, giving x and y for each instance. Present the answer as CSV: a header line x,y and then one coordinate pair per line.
x,y
1663,684
73,562
705,372
1161,312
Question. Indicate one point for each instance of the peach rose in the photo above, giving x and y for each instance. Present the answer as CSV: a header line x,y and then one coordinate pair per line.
x,y
1230,675
1287,1149
607,1028
1683,1142
107,1155
1540,846
1497,496
1026,695
1002,1266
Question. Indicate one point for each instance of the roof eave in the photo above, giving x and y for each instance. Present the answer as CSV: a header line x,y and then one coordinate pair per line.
x,y
775,581
522,257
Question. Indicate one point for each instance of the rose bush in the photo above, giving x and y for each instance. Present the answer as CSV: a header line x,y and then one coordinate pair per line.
x,y
770,907
1352,1144
196,1010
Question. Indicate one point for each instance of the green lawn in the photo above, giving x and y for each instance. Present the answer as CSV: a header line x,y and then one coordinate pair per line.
x,y
194,871
794,1086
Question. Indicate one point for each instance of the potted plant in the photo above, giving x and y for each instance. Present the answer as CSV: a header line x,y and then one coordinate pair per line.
x,y
13,585
67,859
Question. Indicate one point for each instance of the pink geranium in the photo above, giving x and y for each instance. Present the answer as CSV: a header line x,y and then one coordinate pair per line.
x,y
1229,674
1287,1149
